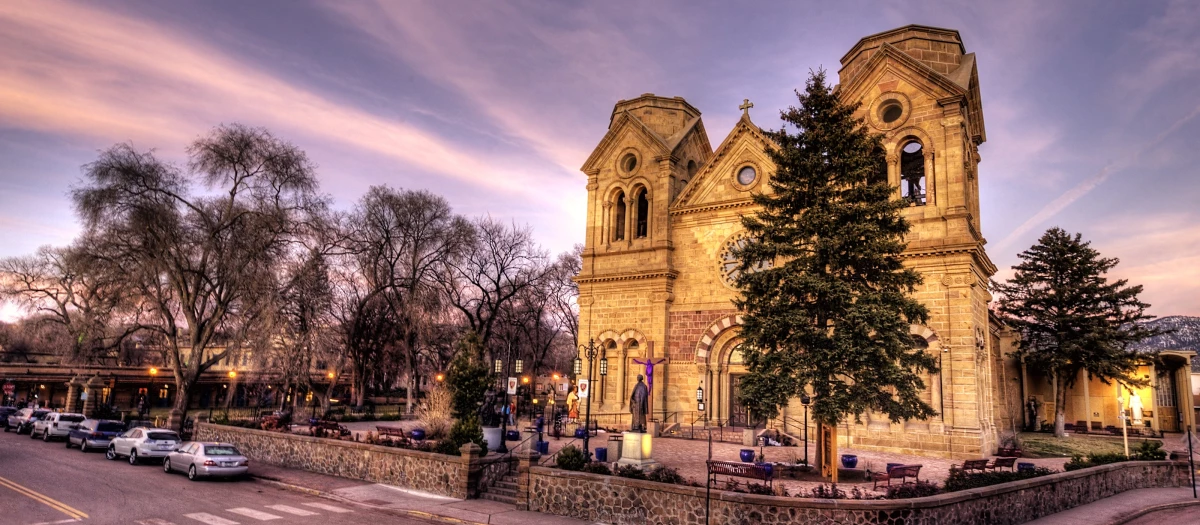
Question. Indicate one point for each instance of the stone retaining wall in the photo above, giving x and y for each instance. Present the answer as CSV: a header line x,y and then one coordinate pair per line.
x,y
454,476
611,499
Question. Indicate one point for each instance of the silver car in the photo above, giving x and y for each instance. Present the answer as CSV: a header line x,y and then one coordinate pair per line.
x,y
55,425
22,420
207,460
141,443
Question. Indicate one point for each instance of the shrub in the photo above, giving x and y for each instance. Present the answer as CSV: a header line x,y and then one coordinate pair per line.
x,y
960,480
467,430
571,458
1150,451
666,475
631,472
447,447
435,413
830,492
760,488
597,468
919,489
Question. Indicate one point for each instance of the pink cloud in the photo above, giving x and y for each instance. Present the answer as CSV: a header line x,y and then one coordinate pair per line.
x,y
87,72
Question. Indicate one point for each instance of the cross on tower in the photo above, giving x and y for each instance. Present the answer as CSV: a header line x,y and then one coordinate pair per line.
x,y
745,107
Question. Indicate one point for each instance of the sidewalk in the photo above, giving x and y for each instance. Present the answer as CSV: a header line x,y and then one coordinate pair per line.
x,y
1122,508
405,502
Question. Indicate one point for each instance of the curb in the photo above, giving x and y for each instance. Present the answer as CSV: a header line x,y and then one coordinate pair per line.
x,y
1121,520
398,512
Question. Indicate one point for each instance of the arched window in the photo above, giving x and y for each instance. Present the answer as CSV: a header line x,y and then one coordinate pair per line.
x,y
643,214
619,223
880,173
912,173
691,168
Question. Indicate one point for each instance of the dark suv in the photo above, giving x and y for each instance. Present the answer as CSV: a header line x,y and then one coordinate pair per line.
x,y
22,420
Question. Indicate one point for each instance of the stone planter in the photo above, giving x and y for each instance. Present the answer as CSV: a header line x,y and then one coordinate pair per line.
x,y
493,436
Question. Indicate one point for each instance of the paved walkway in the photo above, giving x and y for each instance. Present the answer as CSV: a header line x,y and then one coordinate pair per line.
x,y
1123,507
405,502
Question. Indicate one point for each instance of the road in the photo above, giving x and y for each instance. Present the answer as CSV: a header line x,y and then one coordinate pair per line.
x,y
45,483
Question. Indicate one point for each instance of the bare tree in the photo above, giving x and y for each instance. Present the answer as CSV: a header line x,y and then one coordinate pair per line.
x,y
201,246
78,293
502,261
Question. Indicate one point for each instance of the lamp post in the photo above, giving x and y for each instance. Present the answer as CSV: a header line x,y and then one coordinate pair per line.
x,y
805,400
153,375
518,366
590,350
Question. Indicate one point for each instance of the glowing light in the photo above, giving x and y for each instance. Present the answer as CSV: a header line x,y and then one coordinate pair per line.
x,y
153,371
232,374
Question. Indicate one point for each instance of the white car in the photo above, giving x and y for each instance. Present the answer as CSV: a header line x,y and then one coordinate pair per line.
x,y
141,443
55,425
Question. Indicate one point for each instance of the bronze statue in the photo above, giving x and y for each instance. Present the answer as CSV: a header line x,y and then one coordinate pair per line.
x,y
639,405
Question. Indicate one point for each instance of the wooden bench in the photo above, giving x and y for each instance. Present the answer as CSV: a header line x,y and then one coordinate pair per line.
x,y
999,463
901,473
390,431
314,424
971,465
735,469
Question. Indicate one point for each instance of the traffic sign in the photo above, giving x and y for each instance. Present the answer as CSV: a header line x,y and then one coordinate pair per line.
x,y
9,388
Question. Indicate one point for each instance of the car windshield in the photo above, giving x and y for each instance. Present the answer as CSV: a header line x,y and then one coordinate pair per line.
x,y
220,450
163,436
111,426
71,418
40,413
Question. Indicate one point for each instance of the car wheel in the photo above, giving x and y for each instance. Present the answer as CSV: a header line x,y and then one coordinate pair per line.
x,y
110,454
167,465
46,436
192,473
133,459
83,446
68,441
32,435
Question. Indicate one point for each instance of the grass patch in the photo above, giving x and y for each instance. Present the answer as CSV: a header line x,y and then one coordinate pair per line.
x,y
1037,445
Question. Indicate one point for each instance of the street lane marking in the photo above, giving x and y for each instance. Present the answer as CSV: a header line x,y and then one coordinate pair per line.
x,y
291,510
154,521
251,513
324,506
43,499
210,519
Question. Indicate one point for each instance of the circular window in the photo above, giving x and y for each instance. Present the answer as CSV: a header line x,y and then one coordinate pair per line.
x,y
746,175
891,112
629,163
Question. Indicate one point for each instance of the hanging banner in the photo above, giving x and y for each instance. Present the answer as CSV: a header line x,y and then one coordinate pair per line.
x,y
512,386
583,388
9,388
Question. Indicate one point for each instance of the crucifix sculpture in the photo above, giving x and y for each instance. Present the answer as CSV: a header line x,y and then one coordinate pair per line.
x,y
745,107
650,364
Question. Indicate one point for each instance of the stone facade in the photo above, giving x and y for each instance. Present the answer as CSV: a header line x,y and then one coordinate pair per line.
x,y
664,205
611,499
453,476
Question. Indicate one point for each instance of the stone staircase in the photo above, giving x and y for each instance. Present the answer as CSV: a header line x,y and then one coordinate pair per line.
x,y
504,491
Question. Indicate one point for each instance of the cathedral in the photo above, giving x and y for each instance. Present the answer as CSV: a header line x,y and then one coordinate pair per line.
x,y
664,209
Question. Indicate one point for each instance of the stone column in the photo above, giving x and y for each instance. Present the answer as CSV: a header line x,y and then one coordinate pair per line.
x,y
471,472
525,460
73,394
93,389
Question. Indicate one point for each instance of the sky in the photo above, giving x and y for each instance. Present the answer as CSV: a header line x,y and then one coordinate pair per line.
x,y
1092,107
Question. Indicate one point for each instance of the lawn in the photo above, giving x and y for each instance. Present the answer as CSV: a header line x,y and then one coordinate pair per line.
x,y
1039,445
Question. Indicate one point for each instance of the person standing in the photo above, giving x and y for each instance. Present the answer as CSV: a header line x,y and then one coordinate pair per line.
x,y
572,406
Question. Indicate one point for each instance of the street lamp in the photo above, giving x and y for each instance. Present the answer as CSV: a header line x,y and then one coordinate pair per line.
x,y
805,400
153,375
700,398
590,350
440,377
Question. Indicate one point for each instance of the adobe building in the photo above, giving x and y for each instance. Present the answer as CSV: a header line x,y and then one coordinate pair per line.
x,y
664,208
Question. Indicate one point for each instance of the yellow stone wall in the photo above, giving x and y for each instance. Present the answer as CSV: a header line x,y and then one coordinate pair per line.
x,y
667,288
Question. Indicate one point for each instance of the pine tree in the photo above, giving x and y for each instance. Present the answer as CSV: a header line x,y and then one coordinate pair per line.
x,y
1071,318
825,296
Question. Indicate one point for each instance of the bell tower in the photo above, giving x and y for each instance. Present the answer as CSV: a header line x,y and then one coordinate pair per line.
x,y
919,87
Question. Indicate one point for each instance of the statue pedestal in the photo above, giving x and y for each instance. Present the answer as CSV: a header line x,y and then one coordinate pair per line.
x,y
636,448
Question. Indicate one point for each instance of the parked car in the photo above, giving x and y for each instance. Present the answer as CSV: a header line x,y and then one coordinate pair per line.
x,y
55,425
22,420
94,433
4,413
142,442
207,460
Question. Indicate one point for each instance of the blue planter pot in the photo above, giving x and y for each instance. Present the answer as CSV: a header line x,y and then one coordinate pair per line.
x,y
579,433
747,455
543,447
1025,467
849,460
417,434
602,454
513,435
890,465
768,467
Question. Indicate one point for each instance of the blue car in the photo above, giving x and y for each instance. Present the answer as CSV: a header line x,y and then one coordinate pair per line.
x,y
94,434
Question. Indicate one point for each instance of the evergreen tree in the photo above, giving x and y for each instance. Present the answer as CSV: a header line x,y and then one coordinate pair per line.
x,y
1071,318
825,296
468,377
